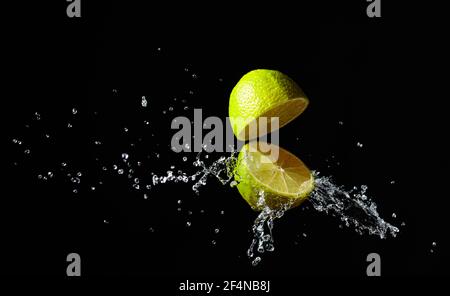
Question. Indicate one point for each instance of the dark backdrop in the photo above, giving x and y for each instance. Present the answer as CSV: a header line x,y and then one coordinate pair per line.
x,y
373,75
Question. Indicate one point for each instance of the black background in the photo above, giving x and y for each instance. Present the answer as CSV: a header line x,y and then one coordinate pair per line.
x,y
380,77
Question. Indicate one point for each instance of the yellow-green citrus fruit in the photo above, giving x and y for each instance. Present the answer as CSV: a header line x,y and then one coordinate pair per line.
x,y
264,93
279,179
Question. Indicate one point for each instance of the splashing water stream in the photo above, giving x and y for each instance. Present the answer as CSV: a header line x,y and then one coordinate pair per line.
x,y
353,207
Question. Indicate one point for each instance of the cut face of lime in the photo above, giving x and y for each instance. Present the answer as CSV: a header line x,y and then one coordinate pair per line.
x,y
273,179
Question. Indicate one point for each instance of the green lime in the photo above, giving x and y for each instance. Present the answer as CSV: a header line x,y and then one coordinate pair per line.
x,y
264,93
280,180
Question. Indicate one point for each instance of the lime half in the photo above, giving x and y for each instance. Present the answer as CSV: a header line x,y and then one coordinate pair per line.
x,y
274,179
264,93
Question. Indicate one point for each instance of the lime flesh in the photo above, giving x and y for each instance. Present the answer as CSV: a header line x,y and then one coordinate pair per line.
x,y
276,181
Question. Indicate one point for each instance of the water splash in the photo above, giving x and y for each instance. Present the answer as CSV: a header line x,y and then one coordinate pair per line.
x,y
353,207
262,228
222,169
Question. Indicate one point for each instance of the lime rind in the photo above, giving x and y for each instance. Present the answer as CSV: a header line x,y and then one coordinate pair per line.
x,y
264,93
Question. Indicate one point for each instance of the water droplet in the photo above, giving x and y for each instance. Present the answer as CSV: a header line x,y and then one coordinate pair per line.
x,y
97,142
186,69
213,242
170,108
403,224
37,116
394,215
75,191
304,234
93,188
217,230
125,156
184,158
69,125
114,90
125,129
74,111
433,244
392,182
146,122
159,49
164,112
106,221
191,92
27,151
145,196
194,76
50,174
188,224
39,176
341,123
151,229
120,171
222,212
256,261
144,102
360,145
